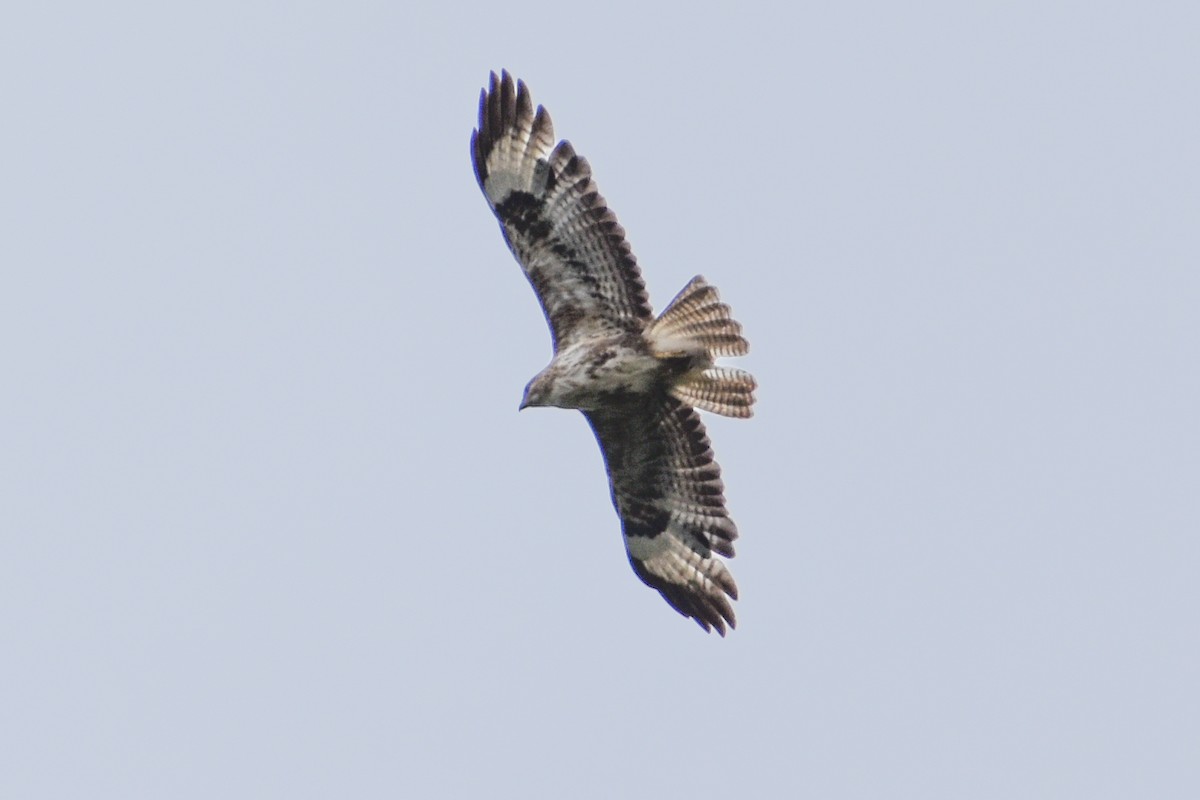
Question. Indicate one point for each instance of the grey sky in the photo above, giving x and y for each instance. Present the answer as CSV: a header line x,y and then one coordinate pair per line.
x,y
271,525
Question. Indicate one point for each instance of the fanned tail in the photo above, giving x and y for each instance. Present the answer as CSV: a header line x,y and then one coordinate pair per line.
x,y
697,326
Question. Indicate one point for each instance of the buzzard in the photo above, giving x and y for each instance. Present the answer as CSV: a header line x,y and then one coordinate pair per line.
x,y
637,378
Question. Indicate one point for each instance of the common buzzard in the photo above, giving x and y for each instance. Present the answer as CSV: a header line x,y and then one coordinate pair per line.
x,y
637,379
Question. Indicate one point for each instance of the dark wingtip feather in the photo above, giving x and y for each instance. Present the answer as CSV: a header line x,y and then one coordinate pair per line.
x,y
524,101
478,160
495,111
542,124
508,101
481,137
709,611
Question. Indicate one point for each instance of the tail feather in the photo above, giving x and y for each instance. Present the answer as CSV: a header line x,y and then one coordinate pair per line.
x,y
698,318
722,390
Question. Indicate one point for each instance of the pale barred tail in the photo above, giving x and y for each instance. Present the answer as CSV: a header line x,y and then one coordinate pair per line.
x,y
722,390
697,318
697,323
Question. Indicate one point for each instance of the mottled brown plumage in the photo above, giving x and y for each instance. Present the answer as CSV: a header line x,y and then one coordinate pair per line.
x,y
637,379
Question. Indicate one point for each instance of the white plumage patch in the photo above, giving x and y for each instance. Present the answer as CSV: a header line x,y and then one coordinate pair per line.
x,y
669,557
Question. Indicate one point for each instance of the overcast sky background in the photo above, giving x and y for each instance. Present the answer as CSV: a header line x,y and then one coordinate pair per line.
x,y
272,526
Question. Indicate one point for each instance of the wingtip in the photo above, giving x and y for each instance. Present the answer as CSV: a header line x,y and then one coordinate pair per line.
x,y
719,623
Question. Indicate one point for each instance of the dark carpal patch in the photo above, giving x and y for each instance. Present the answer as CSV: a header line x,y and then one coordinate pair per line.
x,y
644,519
525,213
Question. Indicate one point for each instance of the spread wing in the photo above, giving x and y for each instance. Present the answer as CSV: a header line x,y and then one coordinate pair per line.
x,y
668,492
569,243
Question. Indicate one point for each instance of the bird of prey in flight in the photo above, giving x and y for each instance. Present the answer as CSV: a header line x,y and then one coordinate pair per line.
x,y
637,378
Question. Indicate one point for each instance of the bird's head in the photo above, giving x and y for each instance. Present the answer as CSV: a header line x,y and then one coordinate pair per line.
x,y
537,392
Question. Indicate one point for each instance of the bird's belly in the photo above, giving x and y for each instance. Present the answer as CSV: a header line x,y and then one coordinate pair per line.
x,y
606,376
